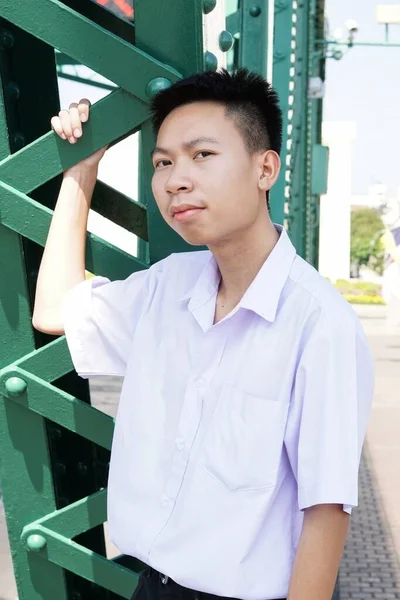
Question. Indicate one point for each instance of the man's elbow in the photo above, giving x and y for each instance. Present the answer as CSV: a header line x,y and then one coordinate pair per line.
x,y
46,323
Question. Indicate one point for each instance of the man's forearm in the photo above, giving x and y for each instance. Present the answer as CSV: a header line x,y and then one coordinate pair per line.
x,y
63,262
319,553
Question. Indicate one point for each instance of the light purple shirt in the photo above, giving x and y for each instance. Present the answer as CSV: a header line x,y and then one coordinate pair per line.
x,y
225,433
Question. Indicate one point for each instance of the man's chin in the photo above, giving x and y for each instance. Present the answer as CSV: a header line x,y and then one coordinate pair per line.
x,y
198,235
195,240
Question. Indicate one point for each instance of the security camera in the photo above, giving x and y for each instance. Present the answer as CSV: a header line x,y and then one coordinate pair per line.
x,y
352,26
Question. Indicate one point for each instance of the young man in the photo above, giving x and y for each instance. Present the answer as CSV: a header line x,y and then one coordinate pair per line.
x,y
247,378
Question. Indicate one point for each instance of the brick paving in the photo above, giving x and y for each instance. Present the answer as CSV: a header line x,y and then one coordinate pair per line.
x,y
370,567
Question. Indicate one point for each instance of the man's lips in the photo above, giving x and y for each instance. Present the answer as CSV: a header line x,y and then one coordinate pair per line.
x,y
185,215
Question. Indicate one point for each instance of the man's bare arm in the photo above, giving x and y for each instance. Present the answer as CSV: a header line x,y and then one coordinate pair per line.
x,y
319,552
63,262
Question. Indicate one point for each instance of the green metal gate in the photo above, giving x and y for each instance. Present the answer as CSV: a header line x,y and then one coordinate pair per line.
x,y
54,445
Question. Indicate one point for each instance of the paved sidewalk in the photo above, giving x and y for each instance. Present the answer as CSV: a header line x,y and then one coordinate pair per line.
x,y
371,562
383,436
370,566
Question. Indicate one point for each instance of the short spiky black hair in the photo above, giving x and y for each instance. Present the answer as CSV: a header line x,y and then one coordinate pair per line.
x,y
250,101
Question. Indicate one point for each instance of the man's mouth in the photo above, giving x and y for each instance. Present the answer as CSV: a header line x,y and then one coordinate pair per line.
x,y
185,215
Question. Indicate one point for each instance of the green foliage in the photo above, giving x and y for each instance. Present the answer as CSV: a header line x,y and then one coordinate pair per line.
x,y
364,299
366,246
358,288
360,292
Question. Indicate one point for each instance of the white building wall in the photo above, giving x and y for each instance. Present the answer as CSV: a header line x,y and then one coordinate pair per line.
x,y
334,246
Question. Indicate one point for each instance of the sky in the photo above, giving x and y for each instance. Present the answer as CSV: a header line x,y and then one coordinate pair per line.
x,y
364,87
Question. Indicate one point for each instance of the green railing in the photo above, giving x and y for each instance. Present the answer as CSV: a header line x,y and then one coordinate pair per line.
x,y
54,445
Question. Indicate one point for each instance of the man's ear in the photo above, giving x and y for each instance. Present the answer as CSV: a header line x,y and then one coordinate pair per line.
x,y
270,165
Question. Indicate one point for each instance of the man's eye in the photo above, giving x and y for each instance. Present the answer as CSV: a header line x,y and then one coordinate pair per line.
x,y
160,163
204,152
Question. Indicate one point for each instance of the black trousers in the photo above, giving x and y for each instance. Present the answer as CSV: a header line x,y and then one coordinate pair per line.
x,y
152,586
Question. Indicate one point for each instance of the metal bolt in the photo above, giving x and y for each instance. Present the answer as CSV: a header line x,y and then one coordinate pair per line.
x,y
12,91
210,61
6,39
82,468
55,433
60,468
36,542
208,6
280,5
157,85
255,11
15,386
225,41
279,55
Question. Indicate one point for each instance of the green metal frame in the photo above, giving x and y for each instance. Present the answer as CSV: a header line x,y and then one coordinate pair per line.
x,y
298,26
296,57
54,445
247,21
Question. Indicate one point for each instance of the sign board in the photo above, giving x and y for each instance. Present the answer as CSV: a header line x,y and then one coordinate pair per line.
x,y
388,14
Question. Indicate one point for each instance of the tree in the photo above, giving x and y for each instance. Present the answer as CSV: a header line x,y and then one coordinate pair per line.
x,y
366,246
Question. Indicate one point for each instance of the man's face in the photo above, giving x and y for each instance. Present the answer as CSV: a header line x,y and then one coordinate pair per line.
x,y
201,163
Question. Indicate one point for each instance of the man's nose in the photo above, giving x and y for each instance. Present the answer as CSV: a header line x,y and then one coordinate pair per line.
x,y
179,181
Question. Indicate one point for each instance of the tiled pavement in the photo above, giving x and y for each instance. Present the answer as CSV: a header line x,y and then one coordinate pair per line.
x,y
370,566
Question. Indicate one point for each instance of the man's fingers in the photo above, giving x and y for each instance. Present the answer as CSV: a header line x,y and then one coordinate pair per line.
x,y
57,127
76,126
68,123
84,109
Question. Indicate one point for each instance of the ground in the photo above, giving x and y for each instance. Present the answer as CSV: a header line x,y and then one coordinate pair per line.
x,y
370,567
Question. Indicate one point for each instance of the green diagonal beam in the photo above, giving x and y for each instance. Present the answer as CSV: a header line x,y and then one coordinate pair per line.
x,y
53,22
84,562
111,118
234,22
60,407
78,517
120,209
32,220
49,362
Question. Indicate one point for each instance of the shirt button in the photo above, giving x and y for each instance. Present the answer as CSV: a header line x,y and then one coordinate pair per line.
x,y
165,501
201,381
180,443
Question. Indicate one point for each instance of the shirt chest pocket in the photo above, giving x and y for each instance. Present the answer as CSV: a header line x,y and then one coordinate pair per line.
x,y
243,444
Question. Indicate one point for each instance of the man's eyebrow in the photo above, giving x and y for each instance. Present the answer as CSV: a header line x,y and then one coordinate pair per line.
x,y
186,145
200,140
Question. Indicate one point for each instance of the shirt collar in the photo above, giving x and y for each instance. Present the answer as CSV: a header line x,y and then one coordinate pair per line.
x,y
263,294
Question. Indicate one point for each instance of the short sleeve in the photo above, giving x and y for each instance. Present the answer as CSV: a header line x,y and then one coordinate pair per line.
x,y
100,318
330,408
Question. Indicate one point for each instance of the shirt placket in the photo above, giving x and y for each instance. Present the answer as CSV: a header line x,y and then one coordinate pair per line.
x,y
208,358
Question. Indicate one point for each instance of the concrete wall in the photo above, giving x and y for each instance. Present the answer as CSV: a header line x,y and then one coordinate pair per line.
x,y
334,247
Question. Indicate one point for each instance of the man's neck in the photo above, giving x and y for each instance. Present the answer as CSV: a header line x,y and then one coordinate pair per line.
x,y
240,260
